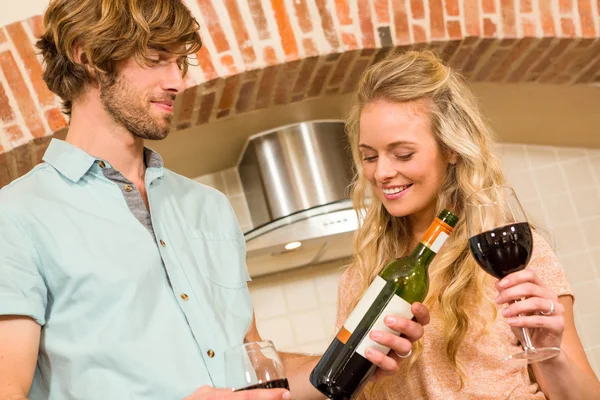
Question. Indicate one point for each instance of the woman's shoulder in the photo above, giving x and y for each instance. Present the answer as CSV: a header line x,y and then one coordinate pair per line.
x,y
349,284
540,243
547,266
350,281
543,253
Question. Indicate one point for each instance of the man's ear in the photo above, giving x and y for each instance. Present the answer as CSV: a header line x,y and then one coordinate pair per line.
x,y
81,59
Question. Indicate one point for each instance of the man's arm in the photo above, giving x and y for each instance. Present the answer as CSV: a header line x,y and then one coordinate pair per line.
x,y
23,301
19,345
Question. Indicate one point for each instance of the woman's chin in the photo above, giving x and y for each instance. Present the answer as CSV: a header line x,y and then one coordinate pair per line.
x,y
397,211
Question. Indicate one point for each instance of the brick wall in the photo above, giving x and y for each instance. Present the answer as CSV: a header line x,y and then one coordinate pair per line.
x,y
259,53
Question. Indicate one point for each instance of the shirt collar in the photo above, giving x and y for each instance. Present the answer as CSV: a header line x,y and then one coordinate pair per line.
x,y
74,163
154,165
152,158
69,160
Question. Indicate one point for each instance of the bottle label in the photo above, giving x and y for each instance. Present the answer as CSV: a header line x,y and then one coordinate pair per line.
x,y
436,235
397,306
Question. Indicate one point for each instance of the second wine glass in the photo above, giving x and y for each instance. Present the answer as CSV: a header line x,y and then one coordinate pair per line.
x,y
501,242
254,365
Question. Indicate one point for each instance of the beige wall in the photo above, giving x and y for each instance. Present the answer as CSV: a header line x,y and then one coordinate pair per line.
x,y
13,11
297,309
228,182
559,187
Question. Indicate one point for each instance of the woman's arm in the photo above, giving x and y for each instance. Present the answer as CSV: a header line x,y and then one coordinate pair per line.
x,y
569,375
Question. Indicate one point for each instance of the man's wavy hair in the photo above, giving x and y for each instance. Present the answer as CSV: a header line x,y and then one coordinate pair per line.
x,y
109,31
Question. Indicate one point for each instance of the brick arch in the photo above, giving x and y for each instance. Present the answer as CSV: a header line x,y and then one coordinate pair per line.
x,y
260,53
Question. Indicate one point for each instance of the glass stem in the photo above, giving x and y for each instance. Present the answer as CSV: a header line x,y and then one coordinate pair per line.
x,y
528,346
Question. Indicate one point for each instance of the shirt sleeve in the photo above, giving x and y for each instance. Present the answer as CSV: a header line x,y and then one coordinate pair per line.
x,y
546,265
23,291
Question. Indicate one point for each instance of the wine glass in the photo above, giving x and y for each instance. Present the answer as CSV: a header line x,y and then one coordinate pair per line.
x,y
254,365
501,242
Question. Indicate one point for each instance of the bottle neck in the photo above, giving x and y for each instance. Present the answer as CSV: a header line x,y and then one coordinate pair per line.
x,y
434,238
424,254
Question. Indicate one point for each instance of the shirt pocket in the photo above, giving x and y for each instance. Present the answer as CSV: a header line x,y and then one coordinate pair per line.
x,y
221,257
222,290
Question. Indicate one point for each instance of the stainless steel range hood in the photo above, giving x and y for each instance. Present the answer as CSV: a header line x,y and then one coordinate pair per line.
x,y
296,180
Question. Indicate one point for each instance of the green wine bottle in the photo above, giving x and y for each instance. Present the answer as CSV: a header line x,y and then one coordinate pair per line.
x,y
344,369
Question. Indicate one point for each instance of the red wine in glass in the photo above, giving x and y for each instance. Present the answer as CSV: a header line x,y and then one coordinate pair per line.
x,y
503,250
276,384
254,365
501,242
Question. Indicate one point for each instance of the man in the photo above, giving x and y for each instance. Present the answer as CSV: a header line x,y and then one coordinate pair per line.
x,y
120,279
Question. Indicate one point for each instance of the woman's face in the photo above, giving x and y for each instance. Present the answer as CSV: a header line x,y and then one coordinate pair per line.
x,y
401,158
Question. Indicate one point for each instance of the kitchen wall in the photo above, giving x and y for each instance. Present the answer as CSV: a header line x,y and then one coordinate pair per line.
x,y
228,182
20,10
559,187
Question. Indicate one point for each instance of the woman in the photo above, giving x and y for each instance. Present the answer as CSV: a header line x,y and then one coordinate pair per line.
x,y
420,144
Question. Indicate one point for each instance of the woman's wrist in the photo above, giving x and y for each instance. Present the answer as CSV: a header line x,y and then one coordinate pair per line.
x,y
562,360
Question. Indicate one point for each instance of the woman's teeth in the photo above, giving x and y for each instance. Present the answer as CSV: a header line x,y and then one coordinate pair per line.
x,y
395,190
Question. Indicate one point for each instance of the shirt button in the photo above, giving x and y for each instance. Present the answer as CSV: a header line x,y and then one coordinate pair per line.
x,y
162,243
184,296
102,164
128,188
210,353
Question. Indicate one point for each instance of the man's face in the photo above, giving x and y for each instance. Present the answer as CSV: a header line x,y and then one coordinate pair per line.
x,y
141,97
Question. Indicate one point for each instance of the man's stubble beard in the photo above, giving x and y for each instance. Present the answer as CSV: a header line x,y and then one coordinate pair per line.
x,y
125,106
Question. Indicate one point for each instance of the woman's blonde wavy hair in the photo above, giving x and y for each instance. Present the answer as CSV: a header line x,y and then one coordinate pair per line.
x,y
109,31
457,282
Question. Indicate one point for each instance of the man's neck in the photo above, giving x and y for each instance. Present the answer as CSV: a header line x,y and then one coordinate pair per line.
x,y
95,132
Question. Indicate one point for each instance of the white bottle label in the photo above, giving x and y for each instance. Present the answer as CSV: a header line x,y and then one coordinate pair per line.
x,y
439,242
397,307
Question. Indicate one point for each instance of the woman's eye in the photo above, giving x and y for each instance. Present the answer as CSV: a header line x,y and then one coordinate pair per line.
x,y
404,157
369,158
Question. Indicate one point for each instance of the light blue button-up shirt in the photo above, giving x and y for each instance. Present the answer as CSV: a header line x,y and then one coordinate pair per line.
x,y
124,315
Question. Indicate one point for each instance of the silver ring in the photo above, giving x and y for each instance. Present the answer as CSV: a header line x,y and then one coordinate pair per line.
x,y
404,356
550,311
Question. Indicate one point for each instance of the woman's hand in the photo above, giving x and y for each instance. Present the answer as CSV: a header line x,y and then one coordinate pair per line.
x,y
539,311
410,331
